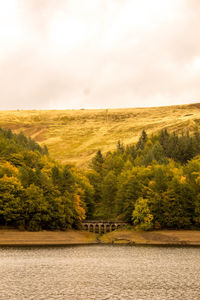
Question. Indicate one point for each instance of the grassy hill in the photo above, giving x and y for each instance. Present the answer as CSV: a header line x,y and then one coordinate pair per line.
x,y
75,135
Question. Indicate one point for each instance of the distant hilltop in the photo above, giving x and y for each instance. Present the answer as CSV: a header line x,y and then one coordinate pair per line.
x,y
74,136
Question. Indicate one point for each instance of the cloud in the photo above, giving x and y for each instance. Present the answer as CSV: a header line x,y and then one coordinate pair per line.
x,y
123,53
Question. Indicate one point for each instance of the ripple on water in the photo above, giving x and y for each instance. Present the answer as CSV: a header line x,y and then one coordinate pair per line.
x,y
100,273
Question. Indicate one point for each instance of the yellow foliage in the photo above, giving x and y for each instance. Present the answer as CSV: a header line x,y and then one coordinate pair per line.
x,y
48,163
151,183
12,182
148,218
8,167
197,180
183,179
79,209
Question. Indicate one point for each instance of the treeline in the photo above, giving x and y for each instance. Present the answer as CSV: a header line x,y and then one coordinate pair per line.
x,y
153,184
36,192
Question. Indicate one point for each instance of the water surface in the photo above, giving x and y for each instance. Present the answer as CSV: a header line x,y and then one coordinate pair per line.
x,y
100,272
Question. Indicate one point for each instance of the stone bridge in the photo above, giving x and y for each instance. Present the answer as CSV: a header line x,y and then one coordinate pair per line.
x,y
100,226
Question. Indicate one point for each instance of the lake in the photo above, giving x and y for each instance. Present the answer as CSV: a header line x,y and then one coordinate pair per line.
x,y
100,272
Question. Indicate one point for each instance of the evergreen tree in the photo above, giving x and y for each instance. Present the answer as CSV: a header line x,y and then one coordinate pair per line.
x,y
142,140
97,162
109,188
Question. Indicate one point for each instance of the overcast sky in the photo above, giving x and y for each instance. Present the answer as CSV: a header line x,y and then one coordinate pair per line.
x,y
59,54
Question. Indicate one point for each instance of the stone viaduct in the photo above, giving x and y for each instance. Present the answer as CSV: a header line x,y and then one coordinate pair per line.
x,y
100,226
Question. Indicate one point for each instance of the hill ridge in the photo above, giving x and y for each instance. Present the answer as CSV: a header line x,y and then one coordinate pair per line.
x,y
74,136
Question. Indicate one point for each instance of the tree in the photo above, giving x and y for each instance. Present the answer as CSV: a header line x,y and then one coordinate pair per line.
x,y
142,140
56,176
178,205
67,180
120,147
97,162
129,190
35,209
11,193
142,217
109,189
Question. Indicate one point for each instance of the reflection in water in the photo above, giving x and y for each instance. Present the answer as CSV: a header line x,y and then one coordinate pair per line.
x,y
100,272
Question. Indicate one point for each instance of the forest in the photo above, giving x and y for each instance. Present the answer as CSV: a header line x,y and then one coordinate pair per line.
x,y
152,184
35,192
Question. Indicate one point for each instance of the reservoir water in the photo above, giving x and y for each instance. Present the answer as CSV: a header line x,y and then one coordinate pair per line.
x,y
100,272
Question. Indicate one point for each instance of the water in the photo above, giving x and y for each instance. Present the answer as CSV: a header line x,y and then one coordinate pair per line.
x,y
100,272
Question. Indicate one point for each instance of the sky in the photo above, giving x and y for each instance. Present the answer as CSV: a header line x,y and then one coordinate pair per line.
x,y
72,54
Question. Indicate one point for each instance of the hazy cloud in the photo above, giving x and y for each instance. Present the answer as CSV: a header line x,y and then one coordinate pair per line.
x,y
98,53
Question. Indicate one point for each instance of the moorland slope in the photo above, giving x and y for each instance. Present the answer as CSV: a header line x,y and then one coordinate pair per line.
x,y
74,136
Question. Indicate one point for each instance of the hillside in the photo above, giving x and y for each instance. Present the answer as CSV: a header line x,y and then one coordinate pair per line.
x,y
37,193
75,135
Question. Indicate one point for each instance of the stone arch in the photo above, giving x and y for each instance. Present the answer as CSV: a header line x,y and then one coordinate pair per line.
x,y
91,228
96,228
112,227
107,227
102,228
85,227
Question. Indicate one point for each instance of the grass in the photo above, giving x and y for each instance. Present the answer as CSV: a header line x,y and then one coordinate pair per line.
x,y
73,136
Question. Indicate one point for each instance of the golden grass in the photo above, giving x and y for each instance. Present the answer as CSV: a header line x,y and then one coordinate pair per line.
x,y
75,135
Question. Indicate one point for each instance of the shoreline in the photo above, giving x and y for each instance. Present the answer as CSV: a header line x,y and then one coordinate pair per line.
x,y
180,238
11,237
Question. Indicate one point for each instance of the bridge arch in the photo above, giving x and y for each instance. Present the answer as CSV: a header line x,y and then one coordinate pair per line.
x,y
101,226
85,226
91,227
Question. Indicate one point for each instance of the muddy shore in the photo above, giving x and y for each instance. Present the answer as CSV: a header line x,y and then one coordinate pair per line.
x,y
75,237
